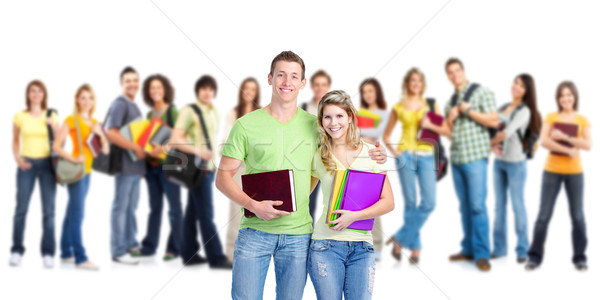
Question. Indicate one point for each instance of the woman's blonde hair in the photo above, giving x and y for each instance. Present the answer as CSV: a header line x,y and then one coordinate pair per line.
x,y
85,88
343,101
406,81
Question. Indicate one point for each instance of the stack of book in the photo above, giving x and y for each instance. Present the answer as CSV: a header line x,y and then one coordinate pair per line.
x,y
354,190
146,133
367,119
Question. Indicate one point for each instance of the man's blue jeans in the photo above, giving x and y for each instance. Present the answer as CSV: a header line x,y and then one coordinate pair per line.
x,y
123,224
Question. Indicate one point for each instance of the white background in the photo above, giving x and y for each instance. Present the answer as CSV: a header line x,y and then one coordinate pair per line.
x,y
66,44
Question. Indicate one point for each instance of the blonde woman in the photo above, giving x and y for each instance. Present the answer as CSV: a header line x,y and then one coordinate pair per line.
x,y
414,160
347,257
71,243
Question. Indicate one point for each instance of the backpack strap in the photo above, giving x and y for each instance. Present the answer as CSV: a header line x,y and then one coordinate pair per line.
x,y
202,124
431,104
50,132
468,93
169,116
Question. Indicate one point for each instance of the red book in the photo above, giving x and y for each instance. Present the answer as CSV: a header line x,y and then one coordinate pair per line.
x,y
274,185
146,134
428,136
569,129
364,122
94,143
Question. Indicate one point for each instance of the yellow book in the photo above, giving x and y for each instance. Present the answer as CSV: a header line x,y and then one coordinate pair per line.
x,y
338,179
137,128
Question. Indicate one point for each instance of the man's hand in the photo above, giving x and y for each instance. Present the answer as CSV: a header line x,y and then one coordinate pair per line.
x,y
463,106
265,210
378,154
139,152
453,114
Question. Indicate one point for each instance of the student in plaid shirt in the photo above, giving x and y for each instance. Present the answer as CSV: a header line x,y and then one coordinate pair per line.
x,y
469,121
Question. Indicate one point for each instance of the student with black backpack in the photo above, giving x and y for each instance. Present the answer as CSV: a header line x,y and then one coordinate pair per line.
x,y
520,124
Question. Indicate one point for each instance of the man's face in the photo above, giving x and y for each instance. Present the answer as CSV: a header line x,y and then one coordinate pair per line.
x,y
130,84
320,86
456,74
206,95
287,81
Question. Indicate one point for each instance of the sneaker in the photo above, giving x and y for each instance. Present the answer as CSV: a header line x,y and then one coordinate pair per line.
x,y
169,256
87,265
521,260
48,262
483,264
581,266
135,252
224,265
530,266
126,259
15,259
196,260
68,260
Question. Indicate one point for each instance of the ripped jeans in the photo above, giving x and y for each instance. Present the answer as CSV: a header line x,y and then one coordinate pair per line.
x,y
341,267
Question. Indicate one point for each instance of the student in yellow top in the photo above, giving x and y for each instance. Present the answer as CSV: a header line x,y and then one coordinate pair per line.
x,y
71,242
414,160
342,262
563,166
31,150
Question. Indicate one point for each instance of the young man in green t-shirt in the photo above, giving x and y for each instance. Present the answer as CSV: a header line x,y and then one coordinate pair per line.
x,y
276,137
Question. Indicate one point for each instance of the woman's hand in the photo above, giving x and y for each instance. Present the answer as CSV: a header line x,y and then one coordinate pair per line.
x,y
78,160
573,152
425,122
344,220
558,135
23,164
497,149
97,129
157,151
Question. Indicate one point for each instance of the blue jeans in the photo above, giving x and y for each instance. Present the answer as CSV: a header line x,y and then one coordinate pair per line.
x,y
157,186
42,170
551,183
410,167
470,183
199,209
510,176
252,257
123,225
340,267
71,242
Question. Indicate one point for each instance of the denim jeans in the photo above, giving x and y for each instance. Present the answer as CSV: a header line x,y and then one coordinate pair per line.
x,y
510,176
123,224
158,185
42,170
410,167
470,183
341,267
199,209
71,243
551,183
252,257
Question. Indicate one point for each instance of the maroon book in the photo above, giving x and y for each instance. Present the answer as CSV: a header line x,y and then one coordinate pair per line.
x,y
274,185
569,129
428,136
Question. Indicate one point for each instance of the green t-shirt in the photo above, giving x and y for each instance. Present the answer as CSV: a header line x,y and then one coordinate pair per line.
x,y
265,144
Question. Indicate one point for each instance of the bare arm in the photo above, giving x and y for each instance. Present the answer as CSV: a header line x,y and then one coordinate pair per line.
x,y
552,145
485,119
584,142
388,133
225,183
58,143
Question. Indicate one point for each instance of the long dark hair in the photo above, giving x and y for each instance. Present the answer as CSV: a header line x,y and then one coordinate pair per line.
x,y
379,99
530,99
239,108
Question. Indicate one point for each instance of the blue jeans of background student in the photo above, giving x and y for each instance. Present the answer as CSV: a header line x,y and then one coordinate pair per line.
x,y
252,257
158,185
470,183
71,243
510,176
339,268
123,224
551,183
410,167
200,210
42,170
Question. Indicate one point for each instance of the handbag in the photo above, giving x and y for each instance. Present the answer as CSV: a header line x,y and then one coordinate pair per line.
x,y
66,171
187,169
111,163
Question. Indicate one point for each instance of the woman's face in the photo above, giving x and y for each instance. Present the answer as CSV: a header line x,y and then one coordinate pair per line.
x,y
415,84
369,93
518,89
35,95
85,101
335,122
157,91
567,99
249,92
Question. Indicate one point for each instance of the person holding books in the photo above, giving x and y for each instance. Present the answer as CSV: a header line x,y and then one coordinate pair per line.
x,y
123,111
565,133
31,151
341,259
83,124
277,137
248,101
373,100
470,114
158,94
189,137
414,160
510,165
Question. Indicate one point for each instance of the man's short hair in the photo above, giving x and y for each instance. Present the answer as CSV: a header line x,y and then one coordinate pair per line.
x,y
320,73
288,56
454,60
128,69
205,81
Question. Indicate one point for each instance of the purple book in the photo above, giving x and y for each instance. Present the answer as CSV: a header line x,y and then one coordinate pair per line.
x,y
362,190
